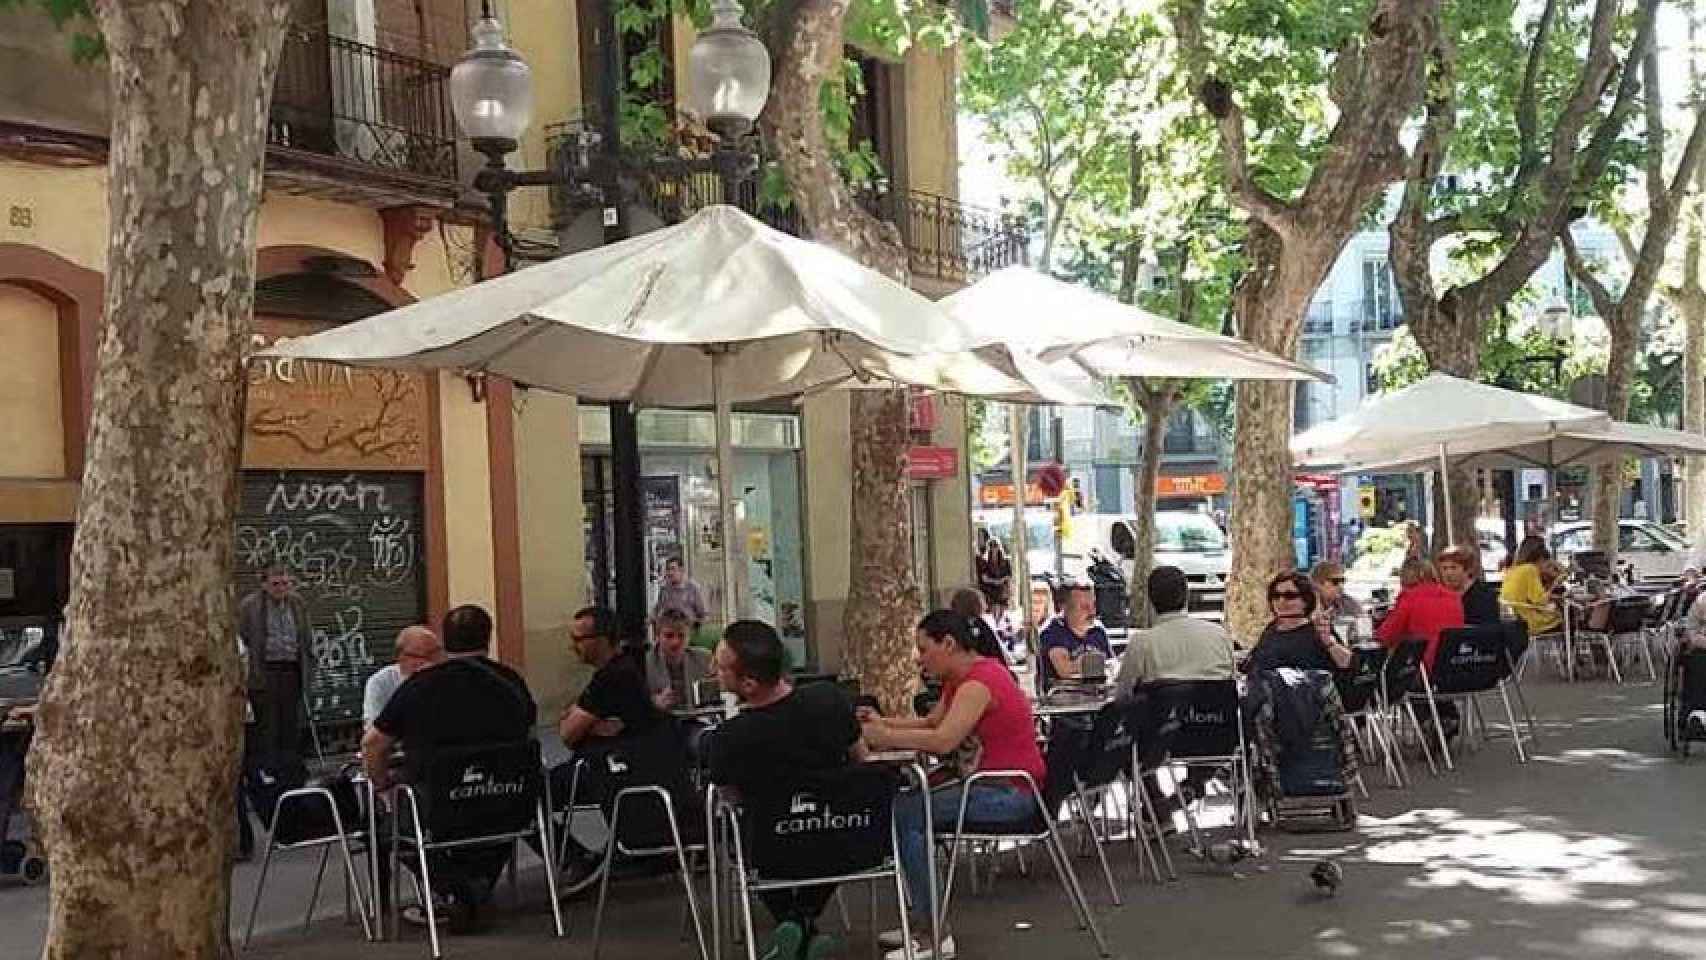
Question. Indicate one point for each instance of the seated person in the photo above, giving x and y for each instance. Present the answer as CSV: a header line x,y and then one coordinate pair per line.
x,y
980,700
1177,646
1068,637
1526,589
417,647
782,729
1328,578
969,603
1425,607
1460,571
615,701
466,701
672,667
1299,635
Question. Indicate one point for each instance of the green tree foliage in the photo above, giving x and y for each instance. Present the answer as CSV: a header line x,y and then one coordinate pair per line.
x,y
75,20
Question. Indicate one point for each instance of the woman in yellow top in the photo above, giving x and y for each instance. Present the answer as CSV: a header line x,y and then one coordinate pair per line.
x,y
1525,588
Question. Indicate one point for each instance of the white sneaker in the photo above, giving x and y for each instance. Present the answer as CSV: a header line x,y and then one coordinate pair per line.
x,y
921,950
1697,722
889,939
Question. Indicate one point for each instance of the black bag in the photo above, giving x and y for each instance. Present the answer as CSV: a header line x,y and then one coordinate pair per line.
x,y
308,817
266,782
658,757
1691,695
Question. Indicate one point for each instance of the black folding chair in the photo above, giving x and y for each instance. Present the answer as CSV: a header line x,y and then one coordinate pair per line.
x,y
817,829
1200,724
1360,691
318,818
470,798
1471,662
1400,677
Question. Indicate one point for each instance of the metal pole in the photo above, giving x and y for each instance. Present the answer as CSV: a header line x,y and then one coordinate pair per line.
x,y
1445,488
1021,593
725,482
629,535
1057,422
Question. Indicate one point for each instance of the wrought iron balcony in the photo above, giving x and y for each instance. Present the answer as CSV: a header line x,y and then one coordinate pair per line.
x,y
945,240
347,107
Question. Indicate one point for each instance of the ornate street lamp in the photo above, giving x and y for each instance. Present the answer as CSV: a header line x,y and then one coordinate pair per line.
x,y
491,96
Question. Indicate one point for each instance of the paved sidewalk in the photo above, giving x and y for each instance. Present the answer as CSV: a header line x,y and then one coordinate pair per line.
x,y
1592,850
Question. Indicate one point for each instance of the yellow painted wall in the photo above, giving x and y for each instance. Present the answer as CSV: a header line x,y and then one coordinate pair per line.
x,y
66,210
553,568
828,516
547,35
930,138
34,446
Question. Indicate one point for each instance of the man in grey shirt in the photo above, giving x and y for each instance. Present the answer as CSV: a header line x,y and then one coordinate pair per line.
x,y
1178,646
679,593
417,647
274,625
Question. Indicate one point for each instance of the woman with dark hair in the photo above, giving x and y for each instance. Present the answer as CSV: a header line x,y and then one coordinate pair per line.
x,y
1525,588
995,577
968,603
986,720
1299,635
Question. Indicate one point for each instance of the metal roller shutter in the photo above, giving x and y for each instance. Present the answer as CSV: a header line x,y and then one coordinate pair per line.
x,y
355,543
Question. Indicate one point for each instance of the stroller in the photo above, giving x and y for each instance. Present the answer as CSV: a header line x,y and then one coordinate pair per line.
x,y
1306,752
1685,693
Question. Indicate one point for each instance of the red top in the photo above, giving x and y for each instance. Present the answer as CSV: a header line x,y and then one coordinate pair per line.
x,y
1422,612
1007,729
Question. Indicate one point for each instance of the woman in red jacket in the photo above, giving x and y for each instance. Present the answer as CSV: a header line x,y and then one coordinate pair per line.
x,y
1425,607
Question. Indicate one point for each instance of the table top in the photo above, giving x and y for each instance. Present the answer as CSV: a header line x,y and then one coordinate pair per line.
x,y
1069,706
708,712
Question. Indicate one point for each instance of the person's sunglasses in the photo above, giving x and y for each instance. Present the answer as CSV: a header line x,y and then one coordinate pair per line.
x,y
1337,581
1284,595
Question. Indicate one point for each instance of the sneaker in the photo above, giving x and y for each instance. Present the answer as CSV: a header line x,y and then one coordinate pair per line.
x,y
889,939
1697,723
416,915
921,951
784,942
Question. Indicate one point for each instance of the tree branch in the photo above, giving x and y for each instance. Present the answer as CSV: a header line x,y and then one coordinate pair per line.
x,y
1603,301
1217,99
1527,108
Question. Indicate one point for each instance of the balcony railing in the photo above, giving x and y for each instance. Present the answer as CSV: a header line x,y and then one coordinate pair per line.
x,y
945,239
350,101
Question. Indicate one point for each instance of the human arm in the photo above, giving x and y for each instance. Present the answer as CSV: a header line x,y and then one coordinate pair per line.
x,y
933,719
1397,623
578,724
1065,667
1340,655
957,723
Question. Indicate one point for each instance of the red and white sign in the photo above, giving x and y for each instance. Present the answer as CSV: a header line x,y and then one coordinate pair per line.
x,y
921,412
932,463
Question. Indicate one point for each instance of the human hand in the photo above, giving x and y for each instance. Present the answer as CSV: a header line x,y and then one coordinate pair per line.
x,y
875,735
666,699
867,714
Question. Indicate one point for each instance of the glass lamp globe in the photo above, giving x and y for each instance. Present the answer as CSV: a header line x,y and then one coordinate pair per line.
x,y
491,90
728,73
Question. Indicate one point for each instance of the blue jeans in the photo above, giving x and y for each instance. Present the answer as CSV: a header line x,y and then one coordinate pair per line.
x,y
988,803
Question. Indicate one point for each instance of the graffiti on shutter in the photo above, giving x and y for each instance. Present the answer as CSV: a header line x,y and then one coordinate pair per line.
x,y
355,544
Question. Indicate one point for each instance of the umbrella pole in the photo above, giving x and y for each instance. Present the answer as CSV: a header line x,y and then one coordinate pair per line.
x,y
1445,484
725,480
1020,593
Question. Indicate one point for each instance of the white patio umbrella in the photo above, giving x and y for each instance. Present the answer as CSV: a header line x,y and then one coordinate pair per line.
x,y
1026,316
717,310
1439,418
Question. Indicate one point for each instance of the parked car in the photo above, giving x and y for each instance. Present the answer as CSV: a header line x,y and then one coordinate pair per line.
x,y
1187,539
1649,547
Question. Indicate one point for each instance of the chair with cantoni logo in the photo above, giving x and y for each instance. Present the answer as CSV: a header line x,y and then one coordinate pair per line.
x,y
466,807
1470,662
815,831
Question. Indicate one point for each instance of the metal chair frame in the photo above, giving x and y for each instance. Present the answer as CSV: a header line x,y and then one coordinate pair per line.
x,y
677,847
342,838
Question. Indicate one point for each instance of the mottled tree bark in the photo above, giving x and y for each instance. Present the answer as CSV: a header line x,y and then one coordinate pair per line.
x,y
132,771
1376,84
883,599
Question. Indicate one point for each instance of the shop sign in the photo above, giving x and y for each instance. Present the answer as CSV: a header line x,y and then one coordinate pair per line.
x,y
1200,485
1001,495
1365,501
306,414
934,463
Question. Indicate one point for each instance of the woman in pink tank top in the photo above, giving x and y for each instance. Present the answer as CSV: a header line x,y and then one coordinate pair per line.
x,y
983,709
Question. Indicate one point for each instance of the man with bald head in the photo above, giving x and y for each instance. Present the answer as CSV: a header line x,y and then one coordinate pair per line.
x,y
417,647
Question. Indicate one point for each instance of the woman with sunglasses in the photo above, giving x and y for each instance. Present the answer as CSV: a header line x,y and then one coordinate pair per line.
x,y
1300,634
1328,579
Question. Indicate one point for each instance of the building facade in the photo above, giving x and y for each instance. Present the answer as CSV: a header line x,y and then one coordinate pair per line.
x,y
393,496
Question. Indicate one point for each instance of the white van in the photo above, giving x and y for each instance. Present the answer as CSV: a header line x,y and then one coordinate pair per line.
x,y
1187,539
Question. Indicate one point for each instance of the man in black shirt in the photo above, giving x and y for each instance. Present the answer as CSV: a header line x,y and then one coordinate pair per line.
x,y
616,702
466,701
782,730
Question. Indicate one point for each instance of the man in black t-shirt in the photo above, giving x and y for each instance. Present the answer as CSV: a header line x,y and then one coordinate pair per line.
x,y
616,702
781,731
468,700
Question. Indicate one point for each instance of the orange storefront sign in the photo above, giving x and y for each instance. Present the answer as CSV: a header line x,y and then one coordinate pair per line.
x,y
1001,495
1200,485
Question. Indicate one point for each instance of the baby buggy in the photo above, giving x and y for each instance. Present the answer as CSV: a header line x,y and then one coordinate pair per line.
x,y
1306,752
1685,696
20,855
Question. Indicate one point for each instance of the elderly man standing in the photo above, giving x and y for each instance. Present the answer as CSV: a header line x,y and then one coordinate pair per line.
x,y
672,667
417,647
273,623
677,592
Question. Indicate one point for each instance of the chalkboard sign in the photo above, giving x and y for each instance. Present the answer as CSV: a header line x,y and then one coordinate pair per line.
x,y
355,543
